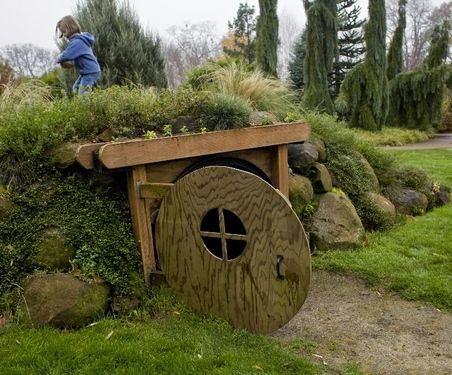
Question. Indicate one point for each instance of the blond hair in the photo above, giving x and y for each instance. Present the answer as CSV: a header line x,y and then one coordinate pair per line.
x,y
68,26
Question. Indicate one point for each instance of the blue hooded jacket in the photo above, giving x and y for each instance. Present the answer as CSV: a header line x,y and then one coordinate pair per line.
x,y
80,51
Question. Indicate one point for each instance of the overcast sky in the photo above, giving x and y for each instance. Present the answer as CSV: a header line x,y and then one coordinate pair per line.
x,y
33,21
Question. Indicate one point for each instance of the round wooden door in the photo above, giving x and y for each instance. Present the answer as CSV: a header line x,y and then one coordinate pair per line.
x,y
230,245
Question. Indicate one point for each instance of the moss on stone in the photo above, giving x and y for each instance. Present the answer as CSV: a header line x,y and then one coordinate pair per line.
x,y
52,251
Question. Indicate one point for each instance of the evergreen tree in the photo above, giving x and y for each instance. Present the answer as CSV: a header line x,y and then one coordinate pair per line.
x,y
395,54
267,37
363,98
350,42
321,47
243,30
350,45
439,46
126,53
297,62
416,96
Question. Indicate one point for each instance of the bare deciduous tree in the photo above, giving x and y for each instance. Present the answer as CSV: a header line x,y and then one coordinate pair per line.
x,y
187,47
417,32
28,59
421,19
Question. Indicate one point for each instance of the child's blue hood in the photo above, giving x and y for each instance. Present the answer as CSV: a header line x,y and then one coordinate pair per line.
x,y
86,37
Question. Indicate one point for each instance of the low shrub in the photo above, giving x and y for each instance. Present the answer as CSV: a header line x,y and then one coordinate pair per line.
x,y
28,128
237,79
223,111
343,161
445,124
392,136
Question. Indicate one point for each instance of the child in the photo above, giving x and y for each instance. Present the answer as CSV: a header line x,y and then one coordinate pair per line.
x,y
80,51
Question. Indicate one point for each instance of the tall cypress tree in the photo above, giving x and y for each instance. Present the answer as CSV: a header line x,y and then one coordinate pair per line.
x,y
439,46
350,44
395,54
363,98
126,53
267,37
321,47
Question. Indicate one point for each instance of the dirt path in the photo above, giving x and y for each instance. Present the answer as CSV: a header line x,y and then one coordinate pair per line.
x,y
438,141
347,322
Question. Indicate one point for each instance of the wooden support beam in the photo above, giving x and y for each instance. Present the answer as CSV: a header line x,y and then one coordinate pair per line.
x,y
137,152
141,223
280,174
153,190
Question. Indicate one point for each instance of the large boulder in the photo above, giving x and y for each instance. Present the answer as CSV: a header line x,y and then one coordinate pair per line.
x,y
52,251
262,118
302,156
63,300
408,201
321,149
441,194
300,192
379,212
64,155
105,136
374,183
321,178
335,224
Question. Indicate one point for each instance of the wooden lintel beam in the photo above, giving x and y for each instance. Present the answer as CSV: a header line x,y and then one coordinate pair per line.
x,y
139,152
85,154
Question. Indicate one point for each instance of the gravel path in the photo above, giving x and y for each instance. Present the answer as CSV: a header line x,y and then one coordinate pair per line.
x,y
438,141
346,322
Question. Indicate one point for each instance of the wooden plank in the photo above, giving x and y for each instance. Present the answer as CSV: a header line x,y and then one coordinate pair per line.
x,y
141,223
137,152
154,190
85,153
280,175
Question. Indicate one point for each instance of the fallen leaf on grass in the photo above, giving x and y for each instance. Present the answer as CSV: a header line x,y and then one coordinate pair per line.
x,y
256,367
109,335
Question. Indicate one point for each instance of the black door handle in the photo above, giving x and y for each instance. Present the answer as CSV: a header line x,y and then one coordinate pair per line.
x,y
279,259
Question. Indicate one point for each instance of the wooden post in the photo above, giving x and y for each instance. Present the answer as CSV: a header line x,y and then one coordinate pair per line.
x,y
280,170
141,222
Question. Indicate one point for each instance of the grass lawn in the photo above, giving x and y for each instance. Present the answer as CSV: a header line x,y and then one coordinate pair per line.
x,y
179,343
414,258
438,163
